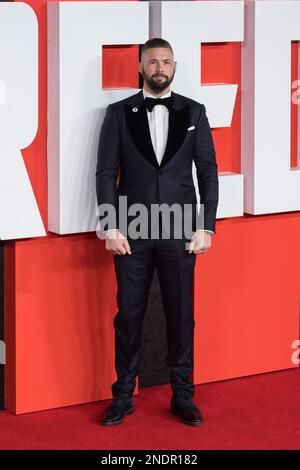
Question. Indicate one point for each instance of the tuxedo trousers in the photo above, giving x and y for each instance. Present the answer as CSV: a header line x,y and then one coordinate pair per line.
x,y
134,274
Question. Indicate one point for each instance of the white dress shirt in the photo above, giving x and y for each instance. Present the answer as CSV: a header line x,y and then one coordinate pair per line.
x,y
158,120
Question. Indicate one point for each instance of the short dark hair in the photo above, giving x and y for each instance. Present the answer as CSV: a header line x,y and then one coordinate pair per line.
x,y
156,42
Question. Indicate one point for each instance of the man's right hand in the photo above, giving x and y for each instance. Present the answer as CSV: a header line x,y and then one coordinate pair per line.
x,y
116,243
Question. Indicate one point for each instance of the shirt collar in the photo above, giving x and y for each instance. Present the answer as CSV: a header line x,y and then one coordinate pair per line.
x,y
147,94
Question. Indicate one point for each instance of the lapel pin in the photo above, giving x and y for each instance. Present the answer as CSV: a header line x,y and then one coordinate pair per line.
x,y
134,110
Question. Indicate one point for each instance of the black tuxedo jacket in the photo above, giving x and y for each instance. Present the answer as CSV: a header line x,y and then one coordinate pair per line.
x,y
127,164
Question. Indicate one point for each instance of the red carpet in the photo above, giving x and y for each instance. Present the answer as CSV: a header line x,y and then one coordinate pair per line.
x,y
258,412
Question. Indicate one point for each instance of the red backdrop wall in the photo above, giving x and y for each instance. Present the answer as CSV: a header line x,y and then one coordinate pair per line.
x,y
60,291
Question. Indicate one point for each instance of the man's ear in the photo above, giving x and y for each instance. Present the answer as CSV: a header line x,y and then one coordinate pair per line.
x,y
140,66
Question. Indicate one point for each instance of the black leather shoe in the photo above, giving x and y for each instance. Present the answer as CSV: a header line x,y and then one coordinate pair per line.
x,y
116,411
186,409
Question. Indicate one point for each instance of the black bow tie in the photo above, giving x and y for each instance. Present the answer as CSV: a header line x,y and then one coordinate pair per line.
x,y
151,102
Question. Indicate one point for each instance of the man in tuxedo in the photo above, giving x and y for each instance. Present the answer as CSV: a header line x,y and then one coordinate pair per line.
x,y
147,146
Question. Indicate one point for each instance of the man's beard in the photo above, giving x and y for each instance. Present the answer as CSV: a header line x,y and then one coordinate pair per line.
x,y
157,85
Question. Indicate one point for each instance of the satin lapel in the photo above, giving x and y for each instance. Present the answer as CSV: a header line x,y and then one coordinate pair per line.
x,y
178,124
138,126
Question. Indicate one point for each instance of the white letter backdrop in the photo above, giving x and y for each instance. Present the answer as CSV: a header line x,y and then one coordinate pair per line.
x,y
19,213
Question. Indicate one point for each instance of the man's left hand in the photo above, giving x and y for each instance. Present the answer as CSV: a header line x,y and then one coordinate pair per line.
x,y
200,242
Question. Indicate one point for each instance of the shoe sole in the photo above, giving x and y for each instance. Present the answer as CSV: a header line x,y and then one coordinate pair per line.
x,y
112,423
185,421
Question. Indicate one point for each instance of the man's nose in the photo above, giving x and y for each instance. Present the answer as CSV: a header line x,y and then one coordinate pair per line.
x,y
160,69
